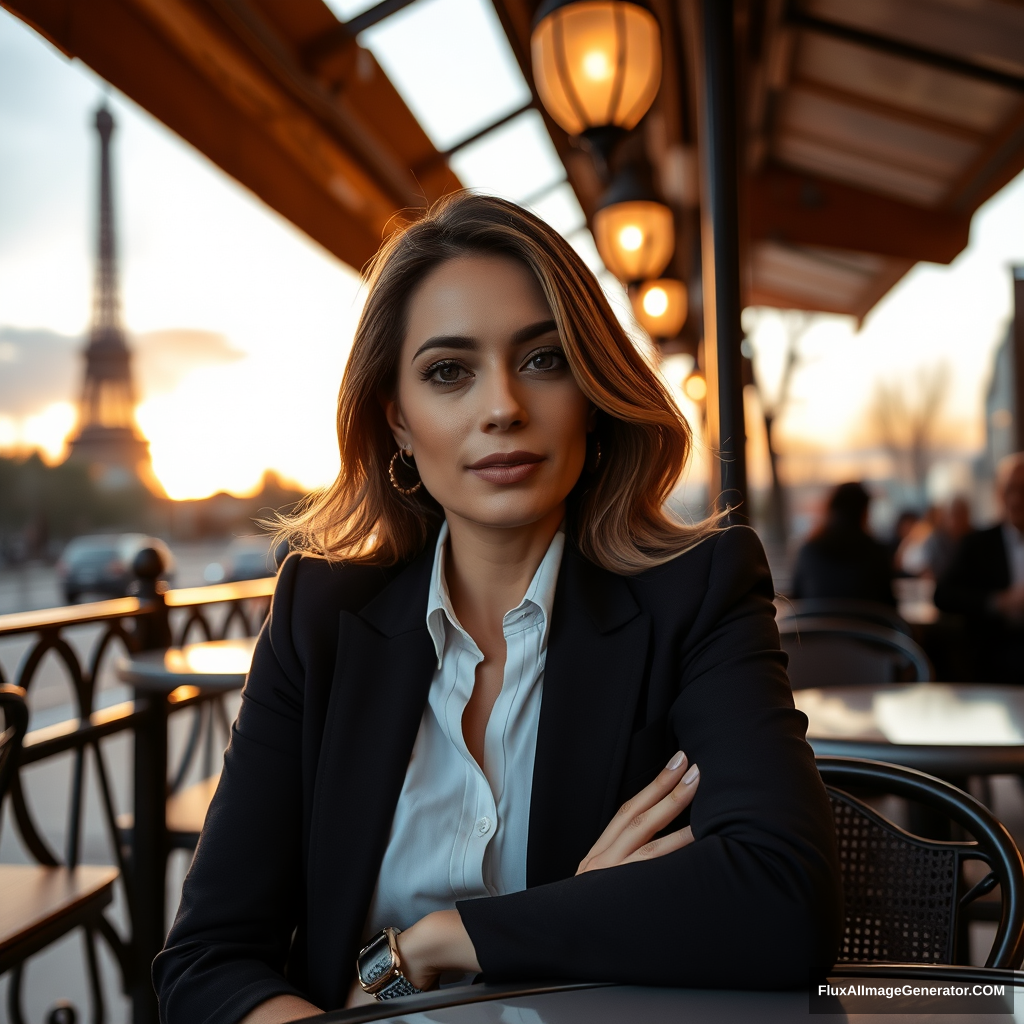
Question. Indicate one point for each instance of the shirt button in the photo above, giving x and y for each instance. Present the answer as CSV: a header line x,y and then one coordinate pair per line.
x,y
483,826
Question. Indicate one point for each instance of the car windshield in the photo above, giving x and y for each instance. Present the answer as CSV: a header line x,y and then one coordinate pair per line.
x,y
92,550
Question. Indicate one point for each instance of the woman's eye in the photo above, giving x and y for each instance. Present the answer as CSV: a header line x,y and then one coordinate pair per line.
x,y
445,373
550,360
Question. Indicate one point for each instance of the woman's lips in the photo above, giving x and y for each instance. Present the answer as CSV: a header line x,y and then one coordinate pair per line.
x,y
506,467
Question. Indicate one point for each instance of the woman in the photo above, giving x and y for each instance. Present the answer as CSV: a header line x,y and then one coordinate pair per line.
x,y
411,754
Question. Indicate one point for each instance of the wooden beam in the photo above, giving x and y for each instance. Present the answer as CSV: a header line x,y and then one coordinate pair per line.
x,y
802,209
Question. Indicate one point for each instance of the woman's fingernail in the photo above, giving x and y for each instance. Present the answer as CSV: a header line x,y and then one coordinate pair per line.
x,y
691,776
676,761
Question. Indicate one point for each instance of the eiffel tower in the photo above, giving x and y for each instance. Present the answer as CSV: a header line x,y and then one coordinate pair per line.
x,y
107,437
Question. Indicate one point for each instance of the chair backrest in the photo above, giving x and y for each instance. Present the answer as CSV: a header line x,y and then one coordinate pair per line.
x,y
848,652
903,894
15,719
842,608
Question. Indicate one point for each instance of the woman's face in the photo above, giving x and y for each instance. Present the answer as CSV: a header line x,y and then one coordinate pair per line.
x,y
485,398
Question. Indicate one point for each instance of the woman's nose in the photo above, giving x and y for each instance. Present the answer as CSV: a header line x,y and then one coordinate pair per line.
x,y
502,407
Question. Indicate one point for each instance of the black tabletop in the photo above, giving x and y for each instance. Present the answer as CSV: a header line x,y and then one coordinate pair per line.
x,y
216,664
850,996
941,728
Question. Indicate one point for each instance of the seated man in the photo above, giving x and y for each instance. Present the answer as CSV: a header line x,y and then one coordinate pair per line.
x,y
985,583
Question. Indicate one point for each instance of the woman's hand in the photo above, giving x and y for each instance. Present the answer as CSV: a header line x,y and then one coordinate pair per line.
x,y
628,837
436,943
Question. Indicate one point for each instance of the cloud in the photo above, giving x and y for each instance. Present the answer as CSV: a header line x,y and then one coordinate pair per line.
x,y
163,359
39,367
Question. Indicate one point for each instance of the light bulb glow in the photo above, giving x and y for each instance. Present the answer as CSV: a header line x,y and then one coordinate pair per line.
x,y
696,387
655,301
596,66
660,307
631,238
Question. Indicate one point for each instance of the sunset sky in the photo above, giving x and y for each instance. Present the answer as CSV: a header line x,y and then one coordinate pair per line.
x,y
241,324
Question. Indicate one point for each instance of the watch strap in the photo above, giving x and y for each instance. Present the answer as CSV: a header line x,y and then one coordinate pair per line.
x,y
400,985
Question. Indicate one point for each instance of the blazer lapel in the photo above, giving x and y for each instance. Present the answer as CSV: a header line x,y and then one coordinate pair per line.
x,y
385,663
594,668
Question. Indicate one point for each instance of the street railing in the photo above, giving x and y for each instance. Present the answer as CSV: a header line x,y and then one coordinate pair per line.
x,y
155,618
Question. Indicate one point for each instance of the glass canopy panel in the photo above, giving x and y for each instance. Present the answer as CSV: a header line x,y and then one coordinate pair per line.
x,y
517,160
452,64
561,209
348,9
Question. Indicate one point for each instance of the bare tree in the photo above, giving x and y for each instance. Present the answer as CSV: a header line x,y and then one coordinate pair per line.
x,y
795,323
906,414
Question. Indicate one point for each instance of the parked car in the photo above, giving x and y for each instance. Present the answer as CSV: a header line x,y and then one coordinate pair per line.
x,y
247,558
102,563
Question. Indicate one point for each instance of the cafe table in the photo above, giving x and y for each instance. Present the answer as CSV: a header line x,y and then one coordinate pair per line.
x,y
161,680
951,730
625,1004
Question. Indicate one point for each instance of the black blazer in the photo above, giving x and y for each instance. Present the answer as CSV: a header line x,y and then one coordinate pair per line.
x,y
980,568
844,563
685,656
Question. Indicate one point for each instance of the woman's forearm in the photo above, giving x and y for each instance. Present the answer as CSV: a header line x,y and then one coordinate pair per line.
x,y
279,1010
436,943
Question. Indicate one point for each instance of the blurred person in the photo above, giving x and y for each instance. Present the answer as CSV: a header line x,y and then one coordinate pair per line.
x,y
841,559
951,524
902,528
489,635
911,556
985,583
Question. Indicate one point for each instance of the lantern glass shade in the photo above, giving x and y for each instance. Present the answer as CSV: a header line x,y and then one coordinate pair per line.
x,y
636,238
597,63
660,307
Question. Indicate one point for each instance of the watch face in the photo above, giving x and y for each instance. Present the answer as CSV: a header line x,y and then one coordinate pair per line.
x,y
376,961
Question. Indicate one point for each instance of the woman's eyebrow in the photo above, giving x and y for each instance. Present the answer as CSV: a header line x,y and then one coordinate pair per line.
x,y
456,341
534,331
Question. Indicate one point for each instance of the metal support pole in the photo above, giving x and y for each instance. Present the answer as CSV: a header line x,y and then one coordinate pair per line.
x,y
149,851
723,334
149,834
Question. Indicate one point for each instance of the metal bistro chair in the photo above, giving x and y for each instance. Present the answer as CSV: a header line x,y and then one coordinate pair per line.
x,y
904,894
842,608
40,904
847,652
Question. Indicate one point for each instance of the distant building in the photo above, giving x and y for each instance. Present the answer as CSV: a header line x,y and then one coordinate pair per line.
x,y
1000,406
107,438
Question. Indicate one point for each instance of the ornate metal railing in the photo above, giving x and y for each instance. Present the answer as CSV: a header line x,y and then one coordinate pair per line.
x,y
154,619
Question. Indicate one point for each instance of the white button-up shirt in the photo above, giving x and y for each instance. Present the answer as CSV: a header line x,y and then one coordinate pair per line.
x,y
460,831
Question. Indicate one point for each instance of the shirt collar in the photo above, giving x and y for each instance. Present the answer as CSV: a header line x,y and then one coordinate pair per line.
x,y
540,595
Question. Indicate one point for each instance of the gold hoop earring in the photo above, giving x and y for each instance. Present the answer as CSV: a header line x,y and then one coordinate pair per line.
x,y
593,464
394,479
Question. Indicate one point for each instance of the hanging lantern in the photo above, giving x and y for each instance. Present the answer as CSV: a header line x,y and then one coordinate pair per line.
x,y
634,231
596,63
660,307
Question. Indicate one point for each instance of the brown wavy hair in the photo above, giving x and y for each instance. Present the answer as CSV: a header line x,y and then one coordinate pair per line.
x,y
616,513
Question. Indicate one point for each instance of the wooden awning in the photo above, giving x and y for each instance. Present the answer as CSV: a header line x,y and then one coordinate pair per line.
x,y
275,92
876,130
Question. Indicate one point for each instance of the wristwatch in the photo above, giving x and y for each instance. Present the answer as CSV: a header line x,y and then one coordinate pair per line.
x,y
379,967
